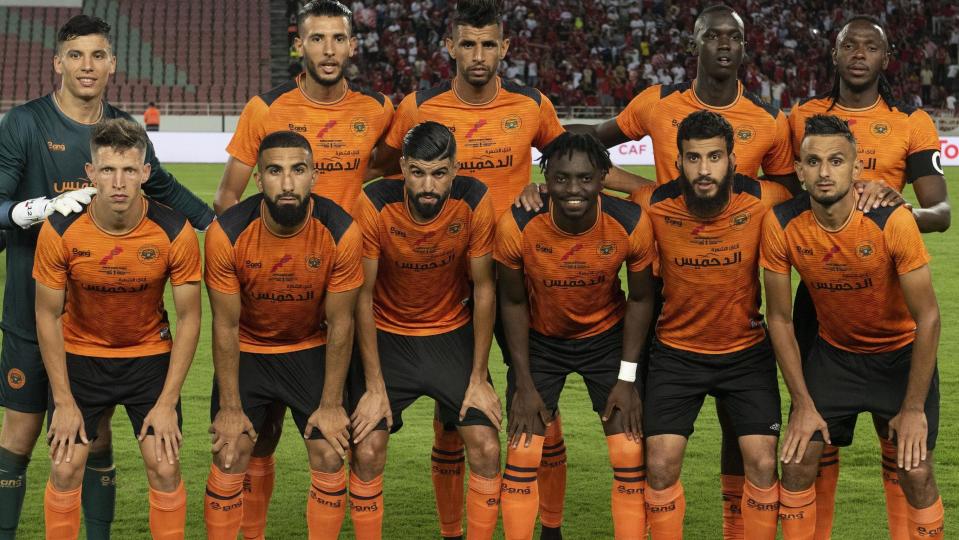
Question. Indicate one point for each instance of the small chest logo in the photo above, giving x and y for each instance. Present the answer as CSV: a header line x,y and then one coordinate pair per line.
x,y
359,126
455,228
740,220
148,254
744,134
313,262
606,249
879,129
865,250
511,123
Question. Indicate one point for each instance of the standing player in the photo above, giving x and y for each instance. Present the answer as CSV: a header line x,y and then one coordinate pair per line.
x,y
870,283
898,145
44,146
432,231
495,124
564,312
283,271
103,330
710,338
343,123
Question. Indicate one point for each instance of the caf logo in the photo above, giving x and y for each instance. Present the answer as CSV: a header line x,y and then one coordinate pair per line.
x,y
455,228
16,379
607,249
358,126
511,123
739,220
148,254
313,262
744,134
865,250
879,129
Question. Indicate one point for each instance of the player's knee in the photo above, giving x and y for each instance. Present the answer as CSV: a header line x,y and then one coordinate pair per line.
x,y
66,476
162,475
323,457
799,476
483,455
761,469
919,484
662,468
369,457
20,431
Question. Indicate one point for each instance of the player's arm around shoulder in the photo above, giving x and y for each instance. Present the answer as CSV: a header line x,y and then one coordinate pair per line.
x,y
924,171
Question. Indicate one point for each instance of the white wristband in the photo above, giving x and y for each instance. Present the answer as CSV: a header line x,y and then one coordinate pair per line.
x,y
627,371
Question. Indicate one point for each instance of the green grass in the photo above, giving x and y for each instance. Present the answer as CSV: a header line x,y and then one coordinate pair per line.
x,y
410,510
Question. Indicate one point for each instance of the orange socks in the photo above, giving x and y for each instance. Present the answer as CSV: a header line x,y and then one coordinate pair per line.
x,y
552,475
732,489
447,470
326,506
896,506
760,510
797,512
925,523
826,482
366,507
482,506
61,513
168,513
223,504
629,483
520,491
665,510
257,490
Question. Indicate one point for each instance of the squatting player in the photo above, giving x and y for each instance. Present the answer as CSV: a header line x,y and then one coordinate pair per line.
x,y
710,337
898,145
343,123
282,270
103,330
44,146
431,231
495,123
564,312
869,279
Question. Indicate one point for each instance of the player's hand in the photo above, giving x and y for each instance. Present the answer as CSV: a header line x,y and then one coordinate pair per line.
x,y
72,201
166,433
227,428
624,397
803,423
333,424
872,195
66,425
531,198
527,406
909,429
373,407
481,395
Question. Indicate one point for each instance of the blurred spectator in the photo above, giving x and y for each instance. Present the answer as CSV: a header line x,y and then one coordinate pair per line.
x,y
151,117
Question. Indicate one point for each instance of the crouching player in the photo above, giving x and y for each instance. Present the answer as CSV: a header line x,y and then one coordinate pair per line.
x,y
103,331
564,312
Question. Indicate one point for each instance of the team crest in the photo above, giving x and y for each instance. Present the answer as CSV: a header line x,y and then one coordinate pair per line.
x,y
359,126
16,379
455,228
607,249
313,262
744,134
511,123
865,249
148,254
879,129
740,220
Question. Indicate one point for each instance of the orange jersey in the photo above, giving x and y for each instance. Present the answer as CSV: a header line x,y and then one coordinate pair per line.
x,y
342,134
852,274
896,145
573,279
114,283
761,133
493,141
422,280
710,269
283,281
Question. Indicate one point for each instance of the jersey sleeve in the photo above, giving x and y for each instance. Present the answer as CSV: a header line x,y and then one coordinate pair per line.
x,y
347,273
904,241
773,253
643,195
403,121
508,244
773,193
779,160
549,124
641,245
482,227
164,188
633,121
13,158
387,117
50,261
923,157
368,220
220,262
185,258
249,132
797,127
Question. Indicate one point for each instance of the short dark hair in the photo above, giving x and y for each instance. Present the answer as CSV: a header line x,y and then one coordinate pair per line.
x,y
478,13
569,142
284,139
827,124
429,141
715,8
324,8
119,134
83,25
704,124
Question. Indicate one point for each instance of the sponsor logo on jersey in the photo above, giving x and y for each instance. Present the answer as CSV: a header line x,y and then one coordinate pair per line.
x,y
475,128
572,251
279,264
805,252
56,147
543,248
80,252
299,128
109,256
673,222
832,252
326,127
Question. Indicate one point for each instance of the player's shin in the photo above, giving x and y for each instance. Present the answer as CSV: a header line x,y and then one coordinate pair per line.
x,y
797,513
223,504
99,494
552,475
13,487
520,489
826,481
665,510
326,504
366,507
447,469
482,506
926,522
61,513
896,506
168,513
732,490
257,491
760,510
629,484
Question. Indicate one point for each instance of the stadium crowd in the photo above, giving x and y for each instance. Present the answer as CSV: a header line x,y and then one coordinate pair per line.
x,y
604,53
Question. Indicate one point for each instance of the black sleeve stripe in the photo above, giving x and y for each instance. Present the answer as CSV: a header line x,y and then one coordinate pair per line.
x,y
669,190
923,163
273,94
527,91
380,98
880,215
792,209
383,192
773,111
61,223
332,216
469,190
745,184
424,95
523,217
168,219
625,212
237,218
666,90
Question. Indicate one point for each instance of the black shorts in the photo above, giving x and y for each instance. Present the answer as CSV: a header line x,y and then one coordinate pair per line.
x,y
843,384
595,358
24,387
293,378
437,366
744,381
99,384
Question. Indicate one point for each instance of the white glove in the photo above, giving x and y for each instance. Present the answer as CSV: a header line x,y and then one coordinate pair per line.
x,y
33,211
73,201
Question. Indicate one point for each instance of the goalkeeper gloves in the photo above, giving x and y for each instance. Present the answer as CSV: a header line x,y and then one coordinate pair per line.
x,y
33,211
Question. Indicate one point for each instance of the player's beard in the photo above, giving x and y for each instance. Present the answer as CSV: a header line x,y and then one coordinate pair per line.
x,y
829,200
315,75
706,206
287,215
427,210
